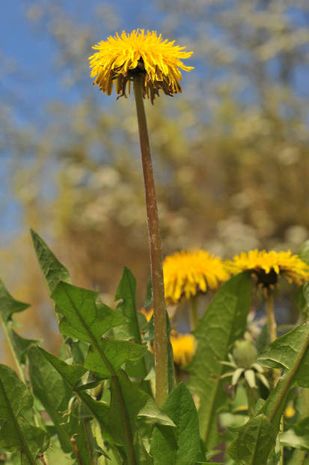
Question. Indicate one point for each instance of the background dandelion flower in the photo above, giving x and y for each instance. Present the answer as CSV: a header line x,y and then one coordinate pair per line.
x,y
118,59
187,273
184,346
268,266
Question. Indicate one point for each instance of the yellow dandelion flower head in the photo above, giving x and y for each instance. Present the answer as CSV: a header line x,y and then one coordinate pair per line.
x,y
121,57
184,346
289,411
268,266
187,273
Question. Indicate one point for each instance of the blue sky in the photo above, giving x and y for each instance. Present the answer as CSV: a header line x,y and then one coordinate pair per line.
x,y
28,54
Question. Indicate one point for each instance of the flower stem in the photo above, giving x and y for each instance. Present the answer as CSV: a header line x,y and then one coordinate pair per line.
x,y
160,314
193,313
251,398
270,314
272,334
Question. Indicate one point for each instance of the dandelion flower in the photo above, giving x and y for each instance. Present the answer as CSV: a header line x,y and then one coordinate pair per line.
x,y
187,273
184,346
289,411
121,57
268,266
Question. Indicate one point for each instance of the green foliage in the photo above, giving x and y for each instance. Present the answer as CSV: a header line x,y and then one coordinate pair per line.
x,y
254,442
97,405
81,315
256,438
180,444
223,323
9,305
291,352
17,430
52,269
298,436
54,394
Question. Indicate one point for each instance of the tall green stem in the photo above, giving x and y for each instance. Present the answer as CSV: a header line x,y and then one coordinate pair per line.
x,y
193,313
272,334
161,339
270,314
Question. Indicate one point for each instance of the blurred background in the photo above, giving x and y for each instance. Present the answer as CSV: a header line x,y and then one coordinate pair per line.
x,y
231,153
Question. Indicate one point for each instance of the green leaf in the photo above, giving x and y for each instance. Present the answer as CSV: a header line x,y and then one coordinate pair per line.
x,y
290,438
21,345
223,323
291,352
51,267
299,457
254,442
8,305
304,252
153,415
179,445
116,354
70,373
17,432
72,377
81,314
54,394
125,295
284,353
124,409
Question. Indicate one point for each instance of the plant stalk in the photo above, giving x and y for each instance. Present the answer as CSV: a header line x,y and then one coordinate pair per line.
x,y
270,314
160,326
193,313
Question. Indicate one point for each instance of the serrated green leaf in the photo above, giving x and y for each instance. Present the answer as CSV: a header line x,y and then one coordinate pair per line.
x,y
125,295
116,352
17,432
180,445
9,305
284,353
124,410
223,323
254,442
153,415
72,377
81,314
51,267
21,345
48,386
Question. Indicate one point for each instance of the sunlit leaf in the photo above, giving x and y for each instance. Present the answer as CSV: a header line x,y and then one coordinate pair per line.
x,y
254,442
224,322
51,267
81,314
178,445
9,305
17,430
